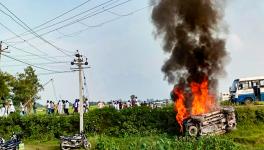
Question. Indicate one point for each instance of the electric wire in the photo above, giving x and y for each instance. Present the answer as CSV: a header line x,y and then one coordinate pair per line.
x,y
8,29
39,64
20,49
83,12
102,23
57,72
27,28
86,87
28,63
80,19
59,16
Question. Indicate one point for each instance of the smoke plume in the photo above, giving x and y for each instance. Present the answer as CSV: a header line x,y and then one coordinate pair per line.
x,y
189,29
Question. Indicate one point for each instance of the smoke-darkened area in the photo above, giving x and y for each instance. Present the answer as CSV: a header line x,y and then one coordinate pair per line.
x,y
189,31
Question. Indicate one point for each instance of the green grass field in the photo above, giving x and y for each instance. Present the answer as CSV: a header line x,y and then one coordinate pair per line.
x,y
249,138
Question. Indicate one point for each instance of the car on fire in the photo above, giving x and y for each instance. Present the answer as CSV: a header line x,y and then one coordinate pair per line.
x,y
216,122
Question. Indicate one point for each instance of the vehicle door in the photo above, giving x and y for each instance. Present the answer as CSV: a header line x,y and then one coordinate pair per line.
x,y
261,82
256,89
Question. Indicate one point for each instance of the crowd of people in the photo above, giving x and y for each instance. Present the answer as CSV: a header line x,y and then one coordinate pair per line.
x,y
132,102
9,108
119,104
63,106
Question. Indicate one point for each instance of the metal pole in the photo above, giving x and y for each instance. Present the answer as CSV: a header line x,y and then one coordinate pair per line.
x,y
1,51
0,54
79,62
80,95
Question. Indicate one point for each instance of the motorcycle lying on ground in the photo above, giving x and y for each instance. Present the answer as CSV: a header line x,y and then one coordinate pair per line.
x,y
15,143
75,142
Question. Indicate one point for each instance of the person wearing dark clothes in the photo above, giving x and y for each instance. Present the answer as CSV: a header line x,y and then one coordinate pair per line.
x,y
76,105
34,107
66,108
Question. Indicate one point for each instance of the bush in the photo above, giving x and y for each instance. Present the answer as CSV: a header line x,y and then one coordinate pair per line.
x,y
141,121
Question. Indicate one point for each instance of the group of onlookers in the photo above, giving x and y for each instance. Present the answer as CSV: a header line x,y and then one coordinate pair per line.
x,y
6,109
133,102
63,106
118,104
9,108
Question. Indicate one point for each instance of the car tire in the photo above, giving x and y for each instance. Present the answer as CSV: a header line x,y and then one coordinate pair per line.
x,y
193,131
248,101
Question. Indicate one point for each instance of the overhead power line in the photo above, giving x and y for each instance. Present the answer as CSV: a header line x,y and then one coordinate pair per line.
x,y
57,72
45,63
28,63
70,18
83,18
37,27
103,23
8,29
20,49
27,28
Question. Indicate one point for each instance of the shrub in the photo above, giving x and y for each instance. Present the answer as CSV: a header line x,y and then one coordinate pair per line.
x,y
141,121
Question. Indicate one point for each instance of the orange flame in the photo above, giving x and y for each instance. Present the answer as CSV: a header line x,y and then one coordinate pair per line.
x,y
180,107
202,102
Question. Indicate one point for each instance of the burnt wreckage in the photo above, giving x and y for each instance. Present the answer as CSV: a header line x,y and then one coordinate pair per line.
x,y
216,122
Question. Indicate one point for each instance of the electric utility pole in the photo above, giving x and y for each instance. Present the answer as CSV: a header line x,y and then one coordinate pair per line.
x,y
1,51
79,62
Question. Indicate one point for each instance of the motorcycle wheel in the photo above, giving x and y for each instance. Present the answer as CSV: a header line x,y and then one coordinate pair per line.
x,y
87,145
64,147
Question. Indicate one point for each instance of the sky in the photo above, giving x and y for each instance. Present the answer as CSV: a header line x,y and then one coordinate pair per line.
x,y
124,55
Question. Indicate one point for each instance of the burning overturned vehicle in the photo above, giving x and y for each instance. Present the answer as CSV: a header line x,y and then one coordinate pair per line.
x,y
216,122
197,57
203,116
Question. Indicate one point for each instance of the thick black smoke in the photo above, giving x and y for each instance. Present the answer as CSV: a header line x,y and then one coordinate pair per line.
x,y
189,29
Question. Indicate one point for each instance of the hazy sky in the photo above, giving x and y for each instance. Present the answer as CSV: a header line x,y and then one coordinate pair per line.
x,y
124,56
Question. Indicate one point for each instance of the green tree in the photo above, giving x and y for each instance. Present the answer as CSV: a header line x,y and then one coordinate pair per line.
x,y
6,81
26,87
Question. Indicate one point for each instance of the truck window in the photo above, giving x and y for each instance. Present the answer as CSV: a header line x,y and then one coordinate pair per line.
x,y
255,83
244,85
261,83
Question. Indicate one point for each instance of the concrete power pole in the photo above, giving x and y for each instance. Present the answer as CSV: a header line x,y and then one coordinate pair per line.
x,y
1,51
79,62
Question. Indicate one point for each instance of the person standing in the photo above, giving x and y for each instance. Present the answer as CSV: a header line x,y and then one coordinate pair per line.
x,y
22,109
6,110
128,104
3,111
52,107
11,108
60,107
75,106
48,107
35,107
67,106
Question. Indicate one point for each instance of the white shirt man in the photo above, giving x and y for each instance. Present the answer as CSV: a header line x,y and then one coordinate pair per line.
x,y
2,111
67,105
22,108
128,104
60,107
12,108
